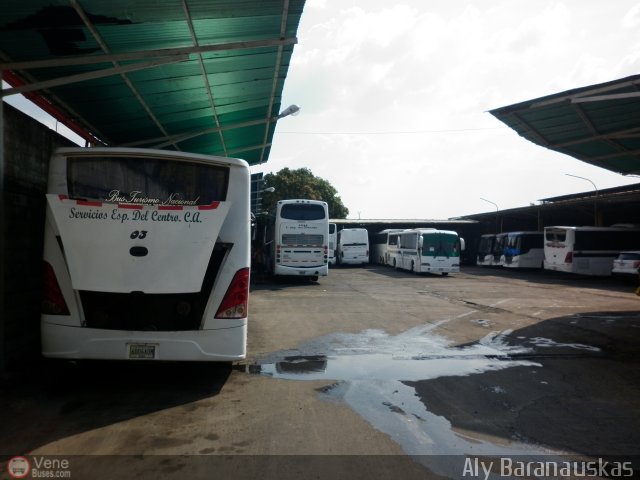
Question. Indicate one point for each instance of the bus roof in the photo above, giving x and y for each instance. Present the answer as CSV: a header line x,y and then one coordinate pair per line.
x,y
148,152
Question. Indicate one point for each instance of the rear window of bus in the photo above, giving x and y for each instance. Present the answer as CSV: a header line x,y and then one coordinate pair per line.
x,y
146,180
302,211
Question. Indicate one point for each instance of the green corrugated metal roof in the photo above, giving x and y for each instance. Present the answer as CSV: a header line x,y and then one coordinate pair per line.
x,y
204,76
599,124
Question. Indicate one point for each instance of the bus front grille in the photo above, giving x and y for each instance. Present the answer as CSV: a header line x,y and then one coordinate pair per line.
x,y
152,312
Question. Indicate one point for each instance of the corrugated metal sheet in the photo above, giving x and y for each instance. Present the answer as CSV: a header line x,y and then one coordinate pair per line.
x,y
203,76
599,124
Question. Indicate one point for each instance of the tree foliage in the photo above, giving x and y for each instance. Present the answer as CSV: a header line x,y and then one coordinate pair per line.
x,y
301,183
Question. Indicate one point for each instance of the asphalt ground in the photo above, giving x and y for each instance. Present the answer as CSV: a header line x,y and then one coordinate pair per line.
x,y
367,373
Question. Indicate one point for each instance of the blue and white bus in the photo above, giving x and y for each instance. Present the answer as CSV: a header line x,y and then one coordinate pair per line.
x,y
523,250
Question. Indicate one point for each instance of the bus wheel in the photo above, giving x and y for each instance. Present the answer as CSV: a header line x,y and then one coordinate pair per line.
x,y
444,274
313,278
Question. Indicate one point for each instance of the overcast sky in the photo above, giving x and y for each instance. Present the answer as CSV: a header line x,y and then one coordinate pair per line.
x,y
395,96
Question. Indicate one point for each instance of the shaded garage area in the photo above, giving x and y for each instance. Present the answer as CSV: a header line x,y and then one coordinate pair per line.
x,y
598,124
200,77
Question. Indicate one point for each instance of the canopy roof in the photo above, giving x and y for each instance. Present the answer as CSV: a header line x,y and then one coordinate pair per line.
x,y
204,76
599,124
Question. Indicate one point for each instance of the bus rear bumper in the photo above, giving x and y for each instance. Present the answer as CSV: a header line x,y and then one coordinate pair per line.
x,y
321,270
72,343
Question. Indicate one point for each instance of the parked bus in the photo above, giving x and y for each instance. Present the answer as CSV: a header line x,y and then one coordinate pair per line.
x,y
380,245
333,239
523,250
299,238
497,257
586,250
146,256
427,250
485,250
353,246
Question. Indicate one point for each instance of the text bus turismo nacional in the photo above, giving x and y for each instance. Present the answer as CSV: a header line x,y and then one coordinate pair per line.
x,y
299,237
146,256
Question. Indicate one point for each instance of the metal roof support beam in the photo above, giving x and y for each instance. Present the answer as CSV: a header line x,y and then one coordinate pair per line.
x,y
203,71
600,98
596,91
594,132
630,133
181,137
541,139
274,85
81,77
144,54
96,35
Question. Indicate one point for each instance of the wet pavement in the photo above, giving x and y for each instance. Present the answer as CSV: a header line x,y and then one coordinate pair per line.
x,y
369,373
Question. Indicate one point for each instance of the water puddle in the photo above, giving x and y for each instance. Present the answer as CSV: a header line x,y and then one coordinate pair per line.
x,y
371,371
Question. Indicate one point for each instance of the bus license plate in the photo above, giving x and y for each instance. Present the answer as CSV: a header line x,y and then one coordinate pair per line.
x,y
142,351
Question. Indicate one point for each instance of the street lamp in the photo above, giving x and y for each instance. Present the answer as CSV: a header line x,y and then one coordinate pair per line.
x,y
495,205
290,110
595,200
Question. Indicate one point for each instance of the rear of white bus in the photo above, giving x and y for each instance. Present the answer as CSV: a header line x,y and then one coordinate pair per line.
x,y
353,246
333,237
558,249
146,256
302,238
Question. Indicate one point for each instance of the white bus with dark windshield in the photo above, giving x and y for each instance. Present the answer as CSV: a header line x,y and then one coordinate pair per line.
x,y
380,245
426,250
146,256
353,246
523,250
333,240
485,250
586,250
299,238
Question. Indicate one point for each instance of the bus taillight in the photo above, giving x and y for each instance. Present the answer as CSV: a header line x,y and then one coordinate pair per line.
x,y
53,301
569,258
235,303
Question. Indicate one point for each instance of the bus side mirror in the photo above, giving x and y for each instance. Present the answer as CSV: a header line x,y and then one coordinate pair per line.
x,y
462,244
420,242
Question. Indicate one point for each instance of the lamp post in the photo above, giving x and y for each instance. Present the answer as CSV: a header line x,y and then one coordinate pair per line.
x,y
596,221
290,110
497,209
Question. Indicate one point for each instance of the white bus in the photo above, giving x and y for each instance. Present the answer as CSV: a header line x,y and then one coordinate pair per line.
x,y
523,250
353,246
427,250
333,240
299,238
586,250
499,243
146,256
485,250
380,245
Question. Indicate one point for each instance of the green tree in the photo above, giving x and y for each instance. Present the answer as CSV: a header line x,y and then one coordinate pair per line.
x,y
301,183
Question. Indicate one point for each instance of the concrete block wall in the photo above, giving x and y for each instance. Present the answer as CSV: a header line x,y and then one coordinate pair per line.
x,y
27,147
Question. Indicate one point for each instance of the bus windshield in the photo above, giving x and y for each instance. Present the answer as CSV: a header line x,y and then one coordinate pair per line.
x,y
146,180
440,245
